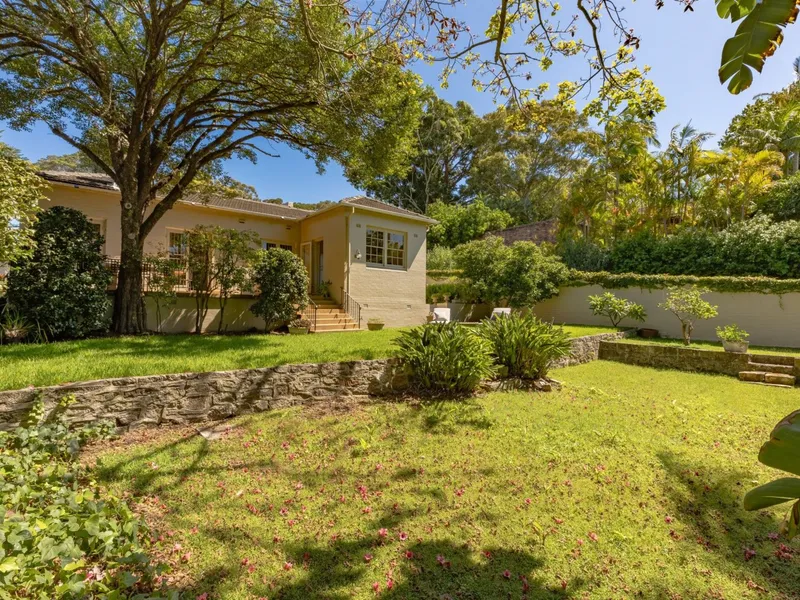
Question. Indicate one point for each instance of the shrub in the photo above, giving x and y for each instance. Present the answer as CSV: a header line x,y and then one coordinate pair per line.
x,y
687,305
62,285
732,333
60,537
584,255
782,200
756,247
521,275
218,260
616,309
163,279
445,357
282,283
440,258
526,346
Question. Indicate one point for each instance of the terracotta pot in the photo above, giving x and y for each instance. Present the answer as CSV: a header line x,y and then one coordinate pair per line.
x,y
298,330
647,333
736,347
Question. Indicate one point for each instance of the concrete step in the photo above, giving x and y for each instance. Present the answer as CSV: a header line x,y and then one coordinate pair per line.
x,y
767,377
772,359
779,379
772,368
335,327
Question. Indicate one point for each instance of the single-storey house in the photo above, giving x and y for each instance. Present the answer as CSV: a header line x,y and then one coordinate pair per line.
x,y
371,254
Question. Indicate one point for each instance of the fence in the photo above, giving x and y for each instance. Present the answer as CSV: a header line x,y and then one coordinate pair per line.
x,y
157,275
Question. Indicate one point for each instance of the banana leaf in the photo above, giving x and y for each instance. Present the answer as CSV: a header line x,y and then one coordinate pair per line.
x,y
772,493
757,37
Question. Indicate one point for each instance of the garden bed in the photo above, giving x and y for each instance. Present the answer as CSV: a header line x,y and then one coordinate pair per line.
x,y
625,483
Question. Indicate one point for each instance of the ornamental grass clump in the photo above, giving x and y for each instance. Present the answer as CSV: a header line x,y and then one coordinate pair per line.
x,y
524,345
445,358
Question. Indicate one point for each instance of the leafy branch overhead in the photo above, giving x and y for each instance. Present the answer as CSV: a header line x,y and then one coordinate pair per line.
x,y
757,37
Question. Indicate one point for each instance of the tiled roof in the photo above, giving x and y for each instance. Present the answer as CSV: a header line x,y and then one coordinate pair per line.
x,y
365,202
282,211
100,181
249,206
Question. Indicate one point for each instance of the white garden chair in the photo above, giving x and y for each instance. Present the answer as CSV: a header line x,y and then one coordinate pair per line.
x,y
500,312
441,315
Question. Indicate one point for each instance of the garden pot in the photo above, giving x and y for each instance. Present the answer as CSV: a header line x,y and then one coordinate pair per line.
x,y
647,333
298,330
737,347
375,326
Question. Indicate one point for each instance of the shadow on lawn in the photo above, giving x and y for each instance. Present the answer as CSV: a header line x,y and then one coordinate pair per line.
x,y
435,570
709,504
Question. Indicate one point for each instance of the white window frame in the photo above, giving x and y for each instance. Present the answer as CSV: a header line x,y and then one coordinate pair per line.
x,y
386,234
102,223
185,256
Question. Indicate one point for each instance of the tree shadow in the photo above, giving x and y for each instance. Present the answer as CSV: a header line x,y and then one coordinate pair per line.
x,y
709,504
432,569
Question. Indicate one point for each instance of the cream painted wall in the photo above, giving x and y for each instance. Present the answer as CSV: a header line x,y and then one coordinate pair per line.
x,y
100,205
395,295
179,318
331,228
771,320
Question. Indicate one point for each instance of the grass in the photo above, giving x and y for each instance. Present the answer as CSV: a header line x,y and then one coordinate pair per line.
x,y
627,483
703,345
103,358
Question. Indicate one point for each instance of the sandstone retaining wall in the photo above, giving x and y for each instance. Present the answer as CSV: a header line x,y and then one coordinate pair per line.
x,y
663,356
193,397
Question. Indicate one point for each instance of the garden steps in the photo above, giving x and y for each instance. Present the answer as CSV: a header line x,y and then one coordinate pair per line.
x,y
331,316
772,368
781,379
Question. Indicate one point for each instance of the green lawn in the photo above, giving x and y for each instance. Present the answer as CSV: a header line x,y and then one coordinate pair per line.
x,y
627,483
702,345
64,362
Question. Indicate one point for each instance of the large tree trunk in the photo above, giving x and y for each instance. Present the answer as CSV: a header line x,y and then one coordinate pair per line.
x,y
129,316
129,313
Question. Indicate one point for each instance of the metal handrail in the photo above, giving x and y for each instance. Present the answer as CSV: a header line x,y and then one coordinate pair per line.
x,y
351,307
313,316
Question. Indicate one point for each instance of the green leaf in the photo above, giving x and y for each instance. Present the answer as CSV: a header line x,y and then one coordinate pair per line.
x,y
782,451
756,39
772,493
9,564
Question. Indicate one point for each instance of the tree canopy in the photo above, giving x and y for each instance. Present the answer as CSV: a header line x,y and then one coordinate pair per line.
x,y
158,94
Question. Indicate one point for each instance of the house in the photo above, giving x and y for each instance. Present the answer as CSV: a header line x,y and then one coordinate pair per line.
x,y
371,254
538,232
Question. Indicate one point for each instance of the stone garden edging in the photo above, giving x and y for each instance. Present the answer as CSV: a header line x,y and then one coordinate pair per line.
x,y
153,400
662,356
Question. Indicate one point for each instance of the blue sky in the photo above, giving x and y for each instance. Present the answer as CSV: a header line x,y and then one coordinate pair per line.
x,y
682,49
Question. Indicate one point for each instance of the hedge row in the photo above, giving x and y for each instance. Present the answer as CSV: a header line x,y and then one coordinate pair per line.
x,y
762,285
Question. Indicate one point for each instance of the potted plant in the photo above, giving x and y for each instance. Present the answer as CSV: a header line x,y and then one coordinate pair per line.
x,y
375,324
733,338
325,289
299,326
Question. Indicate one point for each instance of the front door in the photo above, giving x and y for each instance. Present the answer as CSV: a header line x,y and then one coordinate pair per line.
x,y
305,254
317,265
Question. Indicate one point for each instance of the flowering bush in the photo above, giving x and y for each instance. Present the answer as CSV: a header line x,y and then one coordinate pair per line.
x,y
445,357
60,538
526,346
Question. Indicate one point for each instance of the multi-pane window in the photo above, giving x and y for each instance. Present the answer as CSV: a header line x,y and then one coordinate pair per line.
x,y
269,245
375,247
395,249
386,248
177,245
